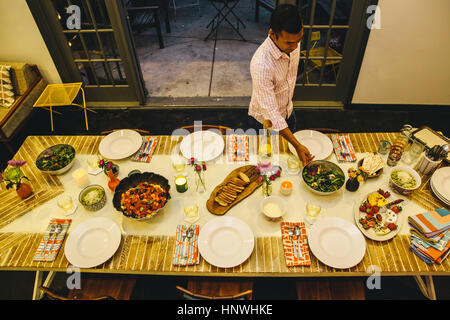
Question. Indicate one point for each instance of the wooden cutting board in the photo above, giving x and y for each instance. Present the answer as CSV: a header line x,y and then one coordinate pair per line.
x,y
254,184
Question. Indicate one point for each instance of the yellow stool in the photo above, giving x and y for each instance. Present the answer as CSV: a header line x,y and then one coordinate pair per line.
x,y
61,95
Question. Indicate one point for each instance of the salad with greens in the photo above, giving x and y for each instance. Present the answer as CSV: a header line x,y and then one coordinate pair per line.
x,y
322,178
56,158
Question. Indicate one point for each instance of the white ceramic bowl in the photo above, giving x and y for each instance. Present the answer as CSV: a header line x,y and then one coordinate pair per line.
x,y
400,189
276,201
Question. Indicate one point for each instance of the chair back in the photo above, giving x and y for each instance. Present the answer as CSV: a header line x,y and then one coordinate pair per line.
x,y
188,295
204,127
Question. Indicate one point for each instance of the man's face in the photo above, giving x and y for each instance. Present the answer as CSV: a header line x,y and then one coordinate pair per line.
x,y
287,42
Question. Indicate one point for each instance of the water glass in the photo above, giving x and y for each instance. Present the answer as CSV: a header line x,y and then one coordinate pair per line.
x,y
414,152
384,147
93,161
65,202
191,212
293,165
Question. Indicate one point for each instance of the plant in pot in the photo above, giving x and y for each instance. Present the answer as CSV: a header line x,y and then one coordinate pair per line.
x,y
355,177
14,176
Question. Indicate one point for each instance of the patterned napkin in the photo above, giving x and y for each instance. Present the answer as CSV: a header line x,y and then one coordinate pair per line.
x,y
51,256
148,147
291,259
191,250
237,147
342,143
431,223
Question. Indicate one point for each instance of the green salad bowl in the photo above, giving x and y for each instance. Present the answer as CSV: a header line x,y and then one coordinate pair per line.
x,y
323,177
56,159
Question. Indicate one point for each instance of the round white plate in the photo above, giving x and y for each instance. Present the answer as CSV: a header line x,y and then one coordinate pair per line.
x,y
441,182
318,144
120,144
337,242
226,242
202,145
438,195
92,242
370,233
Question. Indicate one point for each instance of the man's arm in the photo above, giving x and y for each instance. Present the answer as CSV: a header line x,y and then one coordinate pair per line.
x,y
302,152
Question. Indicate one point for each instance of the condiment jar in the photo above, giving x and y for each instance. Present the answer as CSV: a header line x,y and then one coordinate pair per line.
x,y
398,146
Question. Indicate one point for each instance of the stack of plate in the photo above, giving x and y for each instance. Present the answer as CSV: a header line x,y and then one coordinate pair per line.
x,y
440,184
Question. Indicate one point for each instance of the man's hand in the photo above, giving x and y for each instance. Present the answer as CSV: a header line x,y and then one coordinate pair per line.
x,y
303,154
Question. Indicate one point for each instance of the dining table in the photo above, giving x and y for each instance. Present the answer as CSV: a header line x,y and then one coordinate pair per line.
x,y
146,247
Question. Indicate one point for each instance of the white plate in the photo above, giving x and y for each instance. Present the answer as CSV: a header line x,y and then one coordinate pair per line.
x,y
370,233
438,195
226,242
441,182
92,242
202,145
318,144
337,242
120,144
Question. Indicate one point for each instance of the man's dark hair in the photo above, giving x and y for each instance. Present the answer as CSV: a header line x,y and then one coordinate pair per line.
x,y
286,17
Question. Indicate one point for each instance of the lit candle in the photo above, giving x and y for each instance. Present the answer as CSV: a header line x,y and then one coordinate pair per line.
x,y
286,187
81,178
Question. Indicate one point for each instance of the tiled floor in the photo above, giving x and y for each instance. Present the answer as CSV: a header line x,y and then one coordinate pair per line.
x,y
221,68
18,285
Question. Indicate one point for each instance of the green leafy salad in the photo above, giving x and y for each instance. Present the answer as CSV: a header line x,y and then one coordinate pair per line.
x,y
322,179
57,159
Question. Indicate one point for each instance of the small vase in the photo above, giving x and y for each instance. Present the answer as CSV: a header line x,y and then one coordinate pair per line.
x,y
352,185
266,189
114,169
200,185
113,181
24,190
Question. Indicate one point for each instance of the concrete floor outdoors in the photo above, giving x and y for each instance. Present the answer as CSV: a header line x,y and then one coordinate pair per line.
x,y
221,67
19,284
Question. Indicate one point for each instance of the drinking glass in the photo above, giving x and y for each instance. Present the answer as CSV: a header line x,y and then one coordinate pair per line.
x,y
312,213
65,202
414,152
92,161
178,161
293,165
191,212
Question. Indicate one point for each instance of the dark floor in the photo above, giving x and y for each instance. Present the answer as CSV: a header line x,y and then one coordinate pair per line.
x,y
19,285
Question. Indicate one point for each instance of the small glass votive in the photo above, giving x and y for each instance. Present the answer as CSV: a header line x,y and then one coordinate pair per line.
x,y
181,184
384,147
81,178
286,187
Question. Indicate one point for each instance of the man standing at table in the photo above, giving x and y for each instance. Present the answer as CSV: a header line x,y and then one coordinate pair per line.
x,y
274,69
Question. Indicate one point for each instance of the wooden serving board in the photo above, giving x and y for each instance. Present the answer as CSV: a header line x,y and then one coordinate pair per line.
x,y
254,184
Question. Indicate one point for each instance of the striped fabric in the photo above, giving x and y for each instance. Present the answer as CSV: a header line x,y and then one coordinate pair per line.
x,y
288,245
338,141
47,240
431,223
146,150
274,74
193,256
237,147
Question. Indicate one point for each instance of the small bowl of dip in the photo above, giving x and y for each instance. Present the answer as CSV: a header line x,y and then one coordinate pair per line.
x,y
273,208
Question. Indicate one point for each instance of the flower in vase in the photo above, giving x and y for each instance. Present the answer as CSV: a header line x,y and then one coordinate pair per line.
x,y
13,176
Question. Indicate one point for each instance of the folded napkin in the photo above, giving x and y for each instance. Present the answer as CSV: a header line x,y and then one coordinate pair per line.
x,y
237,147
191,247
148,147
440,245
343,144
288,245
431,223
47,241
430,255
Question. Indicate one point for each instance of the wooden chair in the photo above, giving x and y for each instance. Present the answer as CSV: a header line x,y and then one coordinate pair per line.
x,y
222,129
97,288
148,13
314,51
217,289
330,289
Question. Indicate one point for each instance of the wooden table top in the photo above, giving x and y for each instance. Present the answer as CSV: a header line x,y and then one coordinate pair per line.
x,y
143,254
